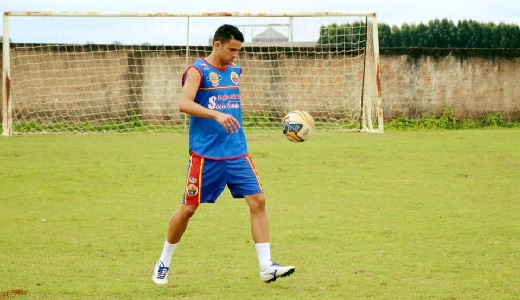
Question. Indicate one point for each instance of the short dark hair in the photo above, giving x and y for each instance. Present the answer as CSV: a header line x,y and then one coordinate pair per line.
x,y
227,32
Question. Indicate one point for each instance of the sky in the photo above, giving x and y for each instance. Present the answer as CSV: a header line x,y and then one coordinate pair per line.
x,y
391,12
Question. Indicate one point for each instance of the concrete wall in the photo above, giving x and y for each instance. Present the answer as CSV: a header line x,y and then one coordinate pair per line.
x,y
78,84
471,86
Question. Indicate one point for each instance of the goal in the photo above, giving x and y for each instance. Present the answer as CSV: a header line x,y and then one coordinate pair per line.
x,y
121,72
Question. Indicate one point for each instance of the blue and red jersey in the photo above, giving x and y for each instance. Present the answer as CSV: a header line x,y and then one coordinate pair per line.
x,y
218,90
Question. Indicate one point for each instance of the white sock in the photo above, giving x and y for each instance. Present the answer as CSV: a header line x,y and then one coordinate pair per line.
x,y
263,250
167,252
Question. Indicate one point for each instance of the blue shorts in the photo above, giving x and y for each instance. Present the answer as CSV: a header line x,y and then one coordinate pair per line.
x,y
207,178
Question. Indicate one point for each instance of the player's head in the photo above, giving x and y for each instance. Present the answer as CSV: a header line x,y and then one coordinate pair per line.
x,y
226,43
227,32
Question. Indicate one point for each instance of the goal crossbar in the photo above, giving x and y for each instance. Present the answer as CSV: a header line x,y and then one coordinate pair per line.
x,y
202,14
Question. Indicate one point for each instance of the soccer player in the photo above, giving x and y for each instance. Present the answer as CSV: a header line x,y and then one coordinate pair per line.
x,y
218,151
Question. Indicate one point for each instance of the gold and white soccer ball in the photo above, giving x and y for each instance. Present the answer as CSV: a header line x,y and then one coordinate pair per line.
x,y
298,126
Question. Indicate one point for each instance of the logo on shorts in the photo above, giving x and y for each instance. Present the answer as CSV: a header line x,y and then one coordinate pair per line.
x,y
192,190
192,179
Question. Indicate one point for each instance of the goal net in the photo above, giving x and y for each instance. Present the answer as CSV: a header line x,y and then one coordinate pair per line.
x,y
121,72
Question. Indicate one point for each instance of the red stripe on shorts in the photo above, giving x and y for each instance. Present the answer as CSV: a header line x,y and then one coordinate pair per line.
x,y
194,181
250,160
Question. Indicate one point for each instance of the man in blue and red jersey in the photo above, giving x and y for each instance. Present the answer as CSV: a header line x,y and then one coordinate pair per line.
x,y
218,151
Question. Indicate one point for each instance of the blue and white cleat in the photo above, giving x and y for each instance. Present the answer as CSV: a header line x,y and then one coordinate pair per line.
x,y
160,273
274,271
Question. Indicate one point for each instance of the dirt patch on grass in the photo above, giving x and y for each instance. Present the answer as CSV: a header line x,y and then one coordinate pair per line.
x,y
11,293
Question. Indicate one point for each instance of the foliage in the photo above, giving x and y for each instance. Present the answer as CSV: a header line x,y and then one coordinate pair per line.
x,y
446,34
267,122
260,119
448,120
132,125
436,34
342,35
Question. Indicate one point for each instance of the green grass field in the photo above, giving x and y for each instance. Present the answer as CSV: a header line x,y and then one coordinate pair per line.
x,y
400,215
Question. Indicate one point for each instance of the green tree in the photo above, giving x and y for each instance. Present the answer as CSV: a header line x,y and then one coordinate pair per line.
x,y
435,34
385,35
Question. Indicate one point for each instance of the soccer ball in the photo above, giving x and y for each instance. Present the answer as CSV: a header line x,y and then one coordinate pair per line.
x,y
298,126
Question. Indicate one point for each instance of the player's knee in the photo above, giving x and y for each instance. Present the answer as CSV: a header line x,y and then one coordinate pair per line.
x,y
187,211
256,202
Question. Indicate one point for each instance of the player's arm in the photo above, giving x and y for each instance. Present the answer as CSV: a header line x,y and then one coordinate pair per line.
x,y
188,105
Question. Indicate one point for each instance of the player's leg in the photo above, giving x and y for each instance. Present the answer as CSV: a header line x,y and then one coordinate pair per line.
x,y
197,191
269,270
179,222
259,219
176,228
243,181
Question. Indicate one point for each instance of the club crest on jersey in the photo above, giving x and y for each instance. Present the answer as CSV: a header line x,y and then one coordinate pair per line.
x,y
234,78
192,190
214,78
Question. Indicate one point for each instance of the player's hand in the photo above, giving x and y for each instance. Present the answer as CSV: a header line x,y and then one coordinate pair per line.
x,y
230,124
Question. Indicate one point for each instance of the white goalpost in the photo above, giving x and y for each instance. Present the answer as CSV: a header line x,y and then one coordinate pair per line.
x,y
121,72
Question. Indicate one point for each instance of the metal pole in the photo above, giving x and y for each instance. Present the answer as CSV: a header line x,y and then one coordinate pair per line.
x,y
187,61
7,113
380,102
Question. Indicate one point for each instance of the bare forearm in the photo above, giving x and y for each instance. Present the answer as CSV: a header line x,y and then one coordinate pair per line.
x,y
194,109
